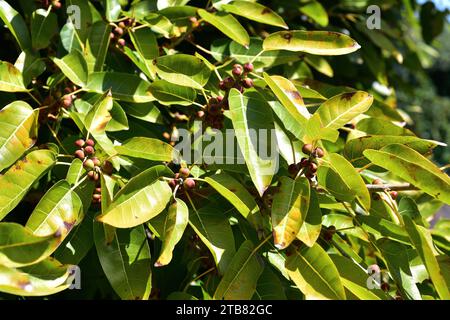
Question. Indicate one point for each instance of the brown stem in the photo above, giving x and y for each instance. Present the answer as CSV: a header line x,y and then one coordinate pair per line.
x,y
392,187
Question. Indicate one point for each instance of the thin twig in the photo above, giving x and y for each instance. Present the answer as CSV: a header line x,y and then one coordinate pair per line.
x,y
393,187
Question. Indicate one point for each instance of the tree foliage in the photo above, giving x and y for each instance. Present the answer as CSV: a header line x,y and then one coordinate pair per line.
x,y
325,193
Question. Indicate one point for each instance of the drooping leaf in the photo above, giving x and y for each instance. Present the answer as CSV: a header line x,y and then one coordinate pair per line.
x,y
15,23
411,166
315,11
314,42
241,277
123,86
74,67
238,196
125,261
19,247
176,222
148,148
354,279
19,131
168,93
288,95
255,11
354,148
183,69
145,189
396,257
310,229
227,24
289,209
44,26
338,110
314,273
99,115
351,177
213,229
269,286
20,177
41,279
421,238
58,211
11,79
249,113
144,40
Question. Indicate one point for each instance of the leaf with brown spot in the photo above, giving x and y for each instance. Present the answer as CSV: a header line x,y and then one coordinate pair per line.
x,y
16,183
414,168
19,247
256,12
18,123
289,209
314,42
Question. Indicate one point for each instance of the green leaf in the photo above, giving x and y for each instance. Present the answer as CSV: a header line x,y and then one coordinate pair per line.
x,y
99,115
354,279
183,70
119,120
291,99
123,86
411,166
311,227
255,11
143,111
315,11
289,208
379,227
79,11
97,44
407,207
30,65
338,110
19,131
113,9
44,26
351,178
249,113
354,148
315,130
20,178
42,279
144,41
148,148
15,23
58,211
167,93
228,25
11,79
213,229
74,67
145,189
240,279
238,196
320,64
396,256
330,180
269,286
421,238
176,222
314,273
326,43
125,261
373,126
19,247
69,38
225,48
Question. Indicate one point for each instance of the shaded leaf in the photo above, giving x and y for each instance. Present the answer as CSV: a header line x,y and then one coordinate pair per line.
x,y
311,227
168,93
241,277
15,23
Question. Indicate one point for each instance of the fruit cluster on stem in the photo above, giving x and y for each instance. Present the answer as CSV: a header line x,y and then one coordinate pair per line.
x,y
182,179
307,165
117,35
